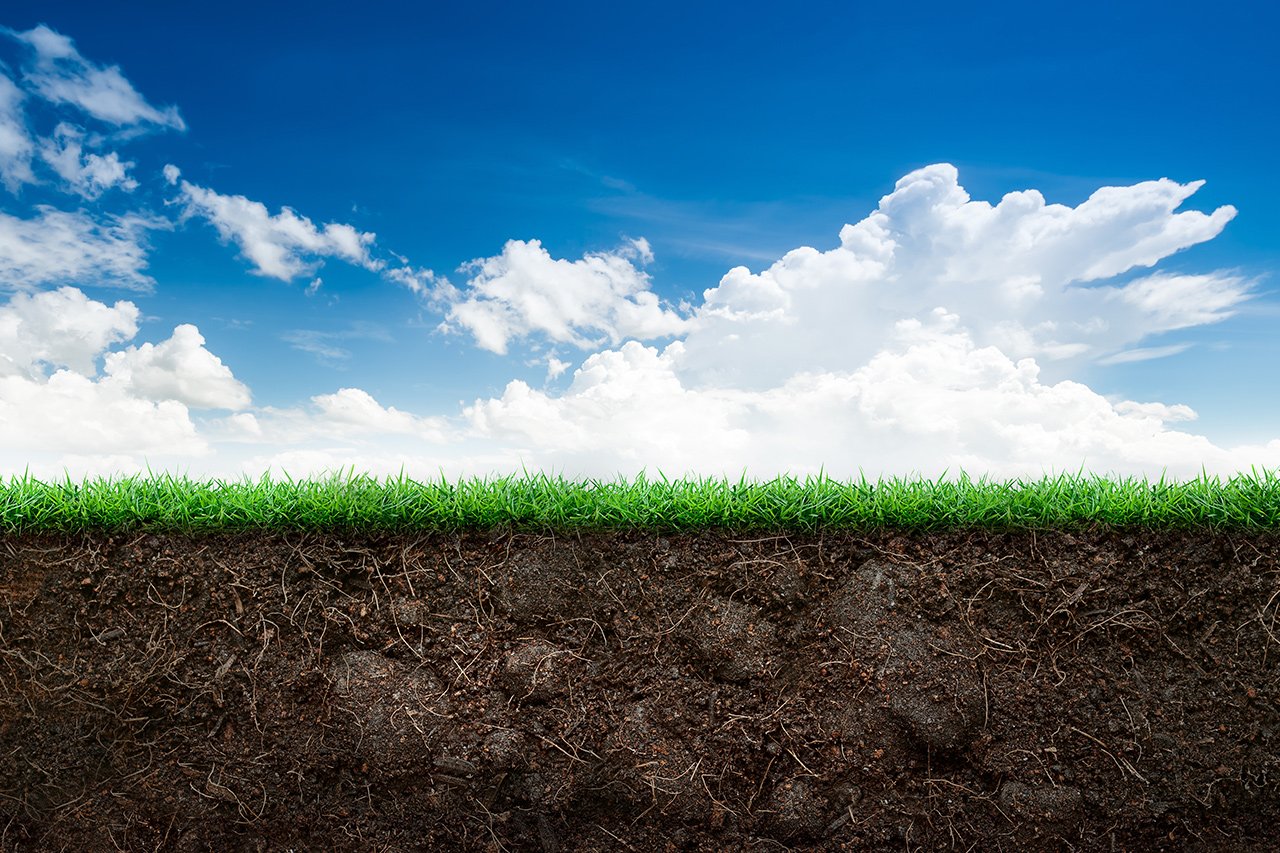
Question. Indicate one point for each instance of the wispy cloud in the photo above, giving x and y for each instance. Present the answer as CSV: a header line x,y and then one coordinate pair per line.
x,y
16,145
317,342
733,232
1143,354
275,245
61,75
56,247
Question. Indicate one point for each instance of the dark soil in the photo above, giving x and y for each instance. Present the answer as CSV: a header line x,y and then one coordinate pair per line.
x,y
969,690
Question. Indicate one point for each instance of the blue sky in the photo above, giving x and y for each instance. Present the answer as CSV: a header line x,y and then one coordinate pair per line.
x,y
160,306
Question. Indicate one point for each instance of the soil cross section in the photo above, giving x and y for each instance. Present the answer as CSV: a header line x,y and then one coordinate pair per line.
x,y
497,690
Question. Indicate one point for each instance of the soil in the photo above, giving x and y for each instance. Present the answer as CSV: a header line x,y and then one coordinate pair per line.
x,y
1100,689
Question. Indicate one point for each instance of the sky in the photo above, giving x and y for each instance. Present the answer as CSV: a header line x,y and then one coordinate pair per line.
x,y
596,240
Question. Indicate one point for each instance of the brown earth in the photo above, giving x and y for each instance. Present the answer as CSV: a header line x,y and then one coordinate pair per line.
x,y
968,690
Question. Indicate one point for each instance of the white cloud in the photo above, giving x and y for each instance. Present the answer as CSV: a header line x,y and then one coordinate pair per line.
x,y
922,343
71,413
274,244
422,282
16,146
1013,273
61,75
931,402
524,290
555,367
352,407
57,247
1143,354
848,359
140,404
312,341
89,175
61,328
349,414
177,369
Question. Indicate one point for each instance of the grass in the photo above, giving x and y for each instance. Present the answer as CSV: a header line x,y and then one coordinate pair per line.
x,y
538,502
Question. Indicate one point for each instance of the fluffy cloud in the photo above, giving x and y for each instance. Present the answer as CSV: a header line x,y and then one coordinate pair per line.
x,y
273,244
177,369
61,328
354,408
931,402
70,413
16,146
923,342
88,175
61,75
524,290
917,345
1014,274
348,414
60,247
140,404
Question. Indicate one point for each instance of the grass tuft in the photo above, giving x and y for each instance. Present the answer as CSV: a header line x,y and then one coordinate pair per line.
x,y
539,502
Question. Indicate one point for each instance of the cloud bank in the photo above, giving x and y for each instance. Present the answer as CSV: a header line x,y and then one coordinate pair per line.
x,y
917,345
937,333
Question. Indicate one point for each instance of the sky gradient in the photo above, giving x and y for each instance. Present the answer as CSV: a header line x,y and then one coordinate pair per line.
x,y
589,240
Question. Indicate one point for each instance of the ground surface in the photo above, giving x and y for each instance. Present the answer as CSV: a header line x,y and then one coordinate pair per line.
x,y
1099,690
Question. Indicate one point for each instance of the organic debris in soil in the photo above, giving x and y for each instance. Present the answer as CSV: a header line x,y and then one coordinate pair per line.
x,y
1106,689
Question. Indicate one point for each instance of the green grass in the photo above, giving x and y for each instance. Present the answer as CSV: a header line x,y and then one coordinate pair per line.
x,y
539,502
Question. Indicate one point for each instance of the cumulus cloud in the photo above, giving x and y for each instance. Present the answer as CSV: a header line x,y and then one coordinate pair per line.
x,y
88,175
929,403
58,247
354,408
941,334
1015,273
61,328
275,245
348,414
555,367
16,145
139,406
524,290
61,75
70,413
177,369
917,345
